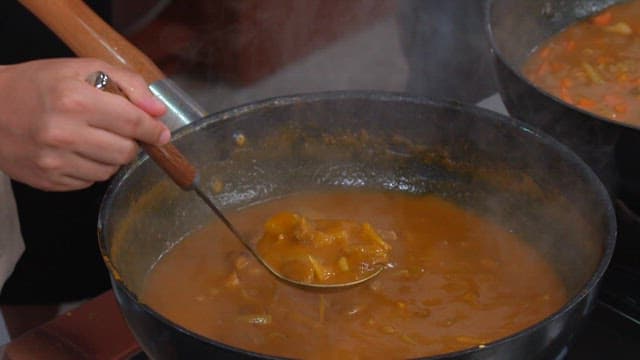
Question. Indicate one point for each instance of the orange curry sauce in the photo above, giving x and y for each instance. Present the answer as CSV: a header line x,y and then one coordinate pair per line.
x,y
594,64
455,281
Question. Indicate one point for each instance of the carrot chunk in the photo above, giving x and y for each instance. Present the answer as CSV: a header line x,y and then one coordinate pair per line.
x,y
621,108
586,103
602,19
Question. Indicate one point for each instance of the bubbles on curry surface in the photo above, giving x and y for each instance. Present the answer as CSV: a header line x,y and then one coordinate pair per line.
x,y
239,138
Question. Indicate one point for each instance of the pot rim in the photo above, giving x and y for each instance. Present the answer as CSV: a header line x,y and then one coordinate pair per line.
x,y
495,49
599,192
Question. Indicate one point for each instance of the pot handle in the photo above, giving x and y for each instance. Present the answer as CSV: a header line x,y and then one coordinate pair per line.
x,y
167,156
87,35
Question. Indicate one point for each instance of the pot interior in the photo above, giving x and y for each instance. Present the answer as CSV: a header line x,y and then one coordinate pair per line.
x,y
487,163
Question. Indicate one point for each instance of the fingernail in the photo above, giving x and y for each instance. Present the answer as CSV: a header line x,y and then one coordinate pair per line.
x,y
165,137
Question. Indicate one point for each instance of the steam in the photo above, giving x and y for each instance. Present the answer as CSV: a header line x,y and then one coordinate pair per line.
x,y
335,67
358,50
436,49
447,49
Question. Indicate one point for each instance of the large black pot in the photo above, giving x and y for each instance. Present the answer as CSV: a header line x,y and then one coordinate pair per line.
x,y
516,28
489,163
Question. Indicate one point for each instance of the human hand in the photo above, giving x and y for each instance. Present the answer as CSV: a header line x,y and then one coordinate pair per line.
x,y
59,133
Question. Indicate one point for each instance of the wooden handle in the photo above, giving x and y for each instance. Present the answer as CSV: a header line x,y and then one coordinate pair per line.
x,y
174,163
89,36
167,156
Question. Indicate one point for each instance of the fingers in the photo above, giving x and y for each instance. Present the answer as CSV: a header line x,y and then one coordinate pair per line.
x,y
106,148
117,115
137,90
134,124
58,132
131,118
63,184
91,143
63,171
86,170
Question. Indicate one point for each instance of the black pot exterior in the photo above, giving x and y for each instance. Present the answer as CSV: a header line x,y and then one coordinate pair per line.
x,y
160,339
515,28
163,340
441,122
591,139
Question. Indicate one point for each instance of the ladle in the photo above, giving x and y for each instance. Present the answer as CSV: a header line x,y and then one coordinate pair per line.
x,y
186,176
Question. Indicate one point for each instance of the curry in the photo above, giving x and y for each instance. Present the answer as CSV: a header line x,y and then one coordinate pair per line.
x,y
322,251
594,64
454,280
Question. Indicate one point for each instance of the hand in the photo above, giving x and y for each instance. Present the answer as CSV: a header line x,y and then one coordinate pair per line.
x,y
59,133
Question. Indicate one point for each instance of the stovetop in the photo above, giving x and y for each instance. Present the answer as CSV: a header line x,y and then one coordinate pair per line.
x,y
609,333
613,330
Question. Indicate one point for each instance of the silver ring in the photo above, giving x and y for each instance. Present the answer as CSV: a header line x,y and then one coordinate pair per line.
x,y
99,80
102,81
